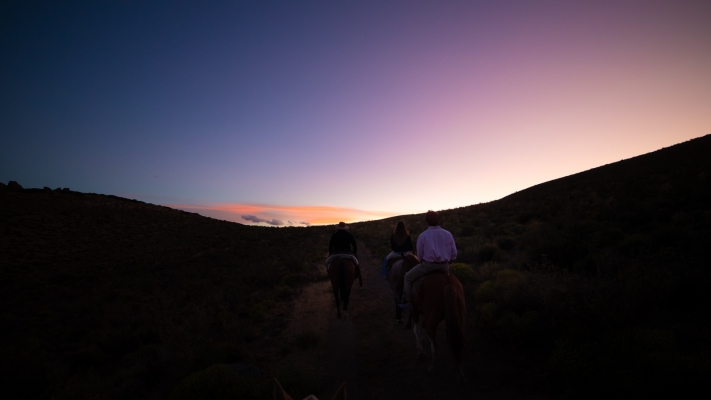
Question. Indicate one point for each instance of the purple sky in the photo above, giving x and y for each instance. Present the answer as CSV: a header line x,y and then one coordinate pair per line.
x,y
320,111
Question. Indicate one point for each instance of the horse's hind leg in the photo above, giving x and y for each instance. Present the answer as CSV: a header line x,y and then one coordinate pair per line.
x,y
346,296
418,339
432,333
345,305
338,302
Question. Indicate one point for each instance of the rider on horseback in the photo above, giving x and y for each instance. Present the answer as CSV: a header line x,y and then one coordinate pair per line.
x,y
341,244
436,249
400,244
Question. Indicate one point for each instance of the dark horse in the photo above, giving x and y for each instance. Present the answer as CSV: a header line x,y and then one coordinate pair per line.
x,y
342,274
440,297
396,277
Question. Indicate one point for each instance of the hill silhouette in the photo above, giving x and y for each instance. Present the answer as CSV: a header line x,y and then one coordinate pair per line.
x,y
111,297
598,280
586,285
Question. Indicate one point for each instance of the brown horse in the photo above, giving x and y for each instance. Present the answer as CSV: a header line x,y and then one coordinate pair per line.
x,y
440,297
396,277
280,394
342,274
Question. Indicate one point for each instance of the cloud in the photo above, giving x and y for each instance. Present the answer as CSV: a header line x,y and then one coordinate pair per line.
x,y
280,215
256,219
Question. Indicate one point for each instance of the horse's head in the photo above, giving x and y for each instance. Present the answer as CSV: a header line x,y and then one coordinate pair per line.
x,y
280,394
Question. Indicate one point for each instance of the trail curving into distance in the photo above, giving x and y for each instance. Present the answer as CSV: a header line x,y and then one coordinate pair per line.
x,y
374,354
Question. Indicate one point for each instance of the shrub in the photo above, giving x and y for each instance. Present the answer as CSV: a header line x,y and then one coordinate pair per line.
x,y
506,243
486,271
466,231
463,272
488,252
509,282
486,292
283,292
522,329
487,314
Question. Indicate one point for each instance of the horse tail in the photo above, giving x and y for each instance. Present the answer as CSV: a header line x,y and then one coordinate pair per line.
x,y
454,310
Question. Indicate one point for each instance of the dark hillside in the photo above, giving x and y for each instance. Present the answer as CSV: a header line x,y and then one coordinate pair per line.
x,y
599,280
580,287
109,297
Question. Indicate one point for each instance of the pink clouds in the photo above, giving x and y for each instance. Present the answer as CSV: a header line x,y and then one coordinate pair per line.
x,y
278,215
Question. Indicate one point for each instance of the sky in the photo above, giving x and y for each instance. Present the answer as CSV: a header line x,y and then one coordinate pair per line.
x,y
314,112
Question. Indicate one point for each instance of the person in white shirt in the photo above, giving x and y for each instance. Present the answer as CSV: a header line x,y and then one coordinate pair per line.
x,y
435,248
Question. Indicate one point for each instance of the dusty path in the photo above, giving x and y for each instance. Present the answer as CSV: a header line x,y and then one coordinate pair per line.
x,y
374,354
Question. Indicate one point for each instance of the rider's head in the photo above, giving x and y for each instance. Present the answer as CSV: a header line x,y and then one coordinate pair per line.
x,y
432,218
400,228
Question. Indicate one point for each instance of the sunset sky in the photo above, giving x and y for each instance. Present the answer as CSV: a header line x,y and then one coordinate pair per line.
x,y
313,112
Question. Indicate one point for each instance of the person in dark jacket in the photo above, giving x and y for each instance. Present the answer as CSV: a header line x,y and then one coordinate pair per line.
x,y
342,241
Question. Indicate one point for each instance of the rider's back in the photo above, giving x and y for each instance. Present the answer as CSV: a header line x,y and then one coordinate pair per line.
x,y
342,242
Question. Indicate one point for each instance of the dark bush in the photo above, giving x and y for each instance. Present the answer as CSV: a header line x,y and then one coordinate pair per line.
x,y
487,252
463,272
506,243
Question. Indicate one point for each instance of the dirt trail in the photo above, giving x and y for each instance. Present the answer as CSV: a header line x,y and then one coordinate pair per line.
x,y
374,354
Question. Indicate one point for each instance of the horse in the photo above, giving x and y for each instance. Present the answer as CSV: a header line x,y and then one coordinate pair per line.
x,y
396,277
342,274
280,394
440,297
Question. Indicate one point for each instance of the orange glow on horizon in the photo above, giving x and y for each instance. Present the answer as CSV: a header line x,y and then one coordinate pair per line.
x,y
279,215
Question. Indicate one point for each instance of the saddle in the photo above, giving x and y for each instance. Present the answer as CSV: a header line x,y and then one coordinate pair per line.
x,y
417,283
390,264
333,257
393,258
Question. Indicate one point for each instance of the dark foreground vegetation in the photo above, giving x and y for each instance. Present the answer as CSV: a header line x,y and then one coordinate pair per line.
x,y
591,284
105,297
598,282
